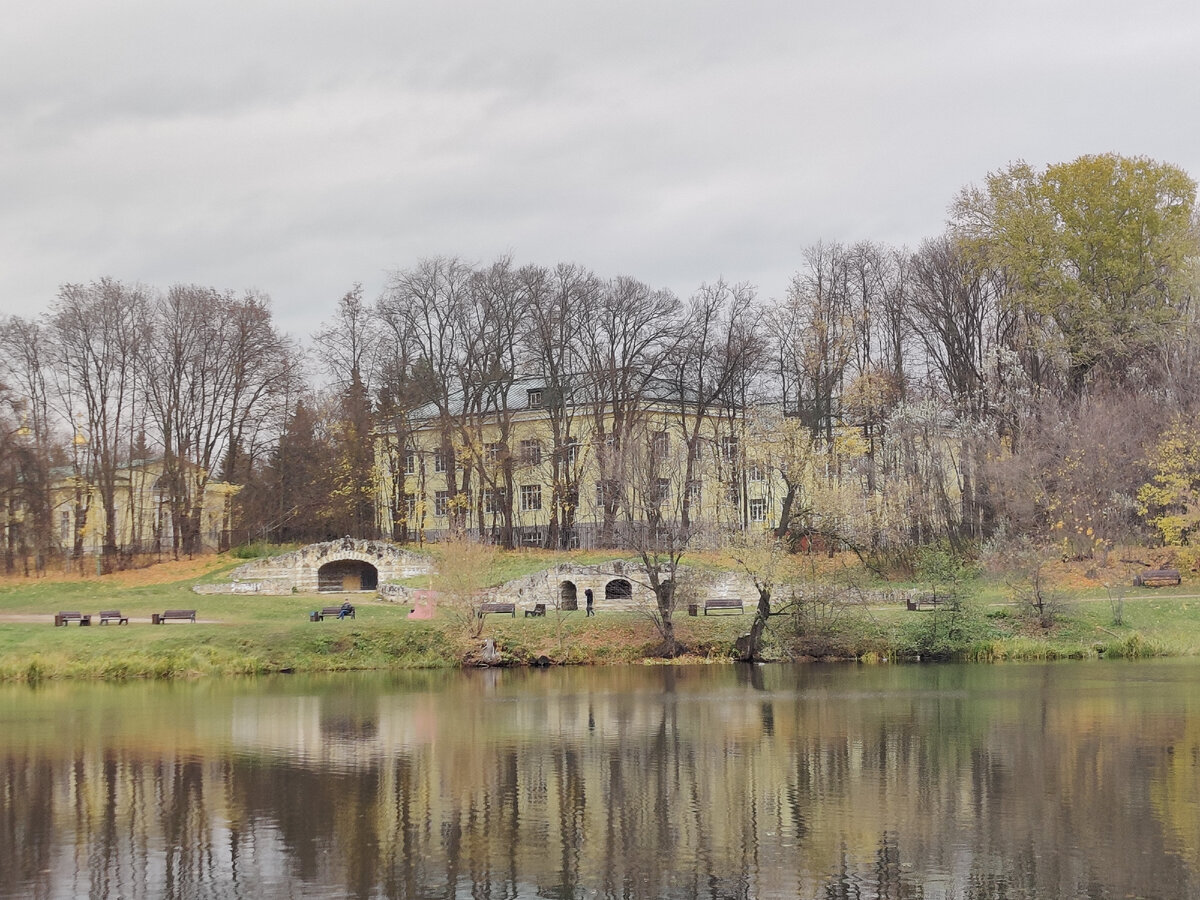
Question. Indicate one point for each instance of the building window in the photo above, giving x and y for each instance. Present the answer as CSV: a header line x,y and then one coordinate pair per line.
x,y
441,500
531,453
410,462
439,460
755,472
729,448
534,398
660,444
571,453
494,500
694,492
607,493
493,452
410,508
531,497
662,489
758,509
732,495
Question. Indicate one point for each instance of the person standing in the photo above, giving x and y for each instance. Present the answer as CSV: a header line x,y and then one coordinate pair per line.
x,y
590,598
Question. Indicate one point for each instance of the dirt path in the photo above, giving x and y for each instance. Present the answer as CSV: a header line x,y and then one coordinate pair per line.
x,y
48,619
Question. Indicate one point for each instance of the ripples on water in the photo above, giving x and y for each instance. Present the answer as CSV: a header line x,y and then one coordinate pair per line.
x,y
969,782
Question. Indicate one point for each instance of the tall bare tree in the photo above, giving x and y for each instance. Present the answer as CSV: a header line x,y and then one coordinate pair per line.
x,y
421,309
817,339
720,344
32,443
626,335
557,303
98,330
216,374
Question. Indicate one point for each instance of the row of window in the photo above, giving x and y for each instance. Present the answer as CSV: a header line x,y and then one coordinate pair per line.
x,y
531,454
494,499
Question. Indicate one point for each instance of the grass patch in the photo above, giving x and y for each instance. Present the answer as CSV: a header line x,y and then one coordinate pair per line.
x,y
249,634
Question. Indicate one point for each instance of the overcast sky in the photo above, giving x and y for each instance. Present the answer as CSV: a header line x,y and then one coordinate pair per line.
x,y
297,146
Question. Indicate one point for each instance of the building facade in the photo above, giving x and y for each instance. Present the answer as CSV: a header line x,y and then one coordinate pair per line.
x,y
143,512
531,470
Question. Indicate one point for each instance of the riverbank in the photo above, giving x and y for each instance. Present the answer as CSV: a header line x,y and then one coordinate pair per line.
x,y
243,635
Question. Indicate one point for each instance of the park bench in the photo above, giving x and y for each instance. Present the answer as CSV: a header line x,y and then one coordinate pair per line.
x,y
331,612
539,609
182,615
923,601
113,615
1157,578
510,608
66,618
724,603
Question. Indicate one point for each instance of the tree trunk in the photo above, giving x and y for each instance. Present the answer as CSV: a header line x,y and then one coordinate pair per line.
x,y
752,648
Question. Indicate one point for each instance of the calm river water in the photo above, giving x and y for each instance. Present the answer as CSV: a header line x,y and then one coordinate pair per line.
x,y
1008,781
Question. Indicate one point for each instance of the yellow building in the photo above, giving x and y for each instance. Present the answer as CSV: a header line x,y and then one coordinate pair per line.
x,y
528,471
142,511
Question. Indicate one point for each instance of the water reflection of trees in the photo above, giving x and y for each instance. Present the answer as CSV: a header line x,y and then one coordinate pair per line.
x,y
913,782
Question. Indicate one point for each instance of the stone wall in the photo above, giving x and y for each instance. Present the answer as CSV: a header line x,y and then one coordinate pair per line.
x,y
297,571
545,586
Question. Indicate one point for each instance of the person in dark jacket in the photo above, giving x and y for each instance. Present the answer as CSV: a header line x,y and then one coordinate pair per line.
x,y
591,599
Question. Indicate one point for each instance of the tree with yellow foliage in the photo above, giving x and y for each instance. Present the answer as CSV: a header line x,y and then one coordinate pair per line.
x,y
1170,501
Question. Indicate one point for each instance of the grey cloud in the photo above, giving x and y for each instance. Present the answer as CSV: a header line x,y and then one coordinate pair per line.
x,y
299,146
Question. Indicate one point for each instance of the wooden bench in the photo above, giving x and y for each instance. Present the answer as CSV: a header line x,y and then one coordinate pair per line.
x,y
331,612
539,609
183,615
724,603
1157,578
510,608
66,618
113,615
921,602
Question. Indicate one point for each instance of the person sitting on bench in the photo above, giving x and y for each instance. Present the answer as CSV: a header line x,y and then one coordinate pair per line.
x,y
345,610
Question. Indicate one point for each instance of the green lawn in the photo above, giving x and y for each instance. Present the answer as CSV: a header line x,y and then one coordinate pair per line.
x,y
246,634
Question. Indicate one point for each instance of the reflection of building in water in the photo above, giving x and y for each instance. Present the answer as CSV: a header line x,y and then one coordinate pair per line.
x,y
710,781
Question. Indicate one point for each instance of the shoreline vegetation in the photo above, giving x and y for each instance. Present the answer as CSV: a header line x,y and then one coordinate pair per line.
x,y
1089,616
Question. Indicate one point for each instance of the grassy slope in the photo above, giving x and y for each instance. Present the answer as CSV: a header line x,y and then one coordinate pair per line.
x,y
249,634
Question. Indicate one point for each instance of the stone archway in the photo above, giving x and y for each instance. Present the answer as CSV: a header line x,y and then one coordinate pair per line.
x,y
568,595
347,575
618,589
304,570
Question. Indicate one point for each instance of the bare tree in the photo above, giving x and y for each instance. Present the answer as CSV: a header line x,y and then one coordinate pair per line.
x,y
98,330
816,335
626,335
216,373
720,344
955,310
558,301
651,502
491,321
31,441
348,346
421,309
